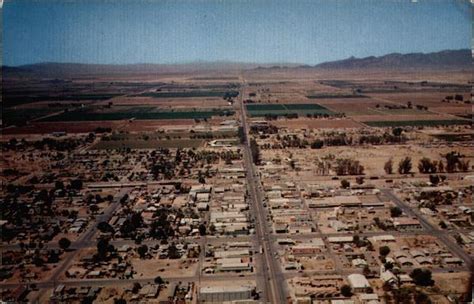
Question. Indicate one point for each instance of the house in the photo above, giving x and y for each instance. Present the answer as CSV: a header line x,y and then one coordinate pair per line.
x,y
453,261
388,277
405,261
308,247
149,291
360,263
340,239
358,282
405,223
424,261
219,294
387,238
232,264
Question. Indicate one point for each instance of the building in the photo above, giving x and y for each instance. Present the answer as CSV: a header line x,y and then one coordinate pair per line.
x,y
405,223
358,282
315,246
218,294
340,239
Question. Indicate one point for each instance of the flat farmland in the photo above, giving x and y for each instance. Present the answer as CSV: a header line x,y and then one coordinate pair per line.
x,y
198,102
14,116
407,111
188,94
432,100
68,127
402,117
316,124
353,106
259,110
138,113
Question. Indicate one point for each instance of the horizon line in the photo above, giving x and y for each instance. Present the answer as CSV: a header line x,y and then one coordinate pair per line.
x,y
224,61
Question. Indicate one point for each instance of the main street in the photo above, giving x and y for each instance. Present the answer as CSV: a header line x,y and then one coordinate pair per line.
x,y
274,291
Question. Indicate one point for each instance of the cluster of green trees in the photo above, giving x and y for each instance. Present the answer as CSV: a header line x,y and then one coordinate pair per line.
x,y
255,151
454,163
347,166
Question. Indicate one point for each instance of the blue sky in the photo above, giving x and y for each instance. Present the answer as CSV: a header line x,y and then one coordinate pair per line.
x,y
297,31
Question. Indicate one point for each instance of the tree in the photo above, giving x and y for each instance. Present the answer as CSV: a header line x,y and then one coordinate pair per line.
x,y
384,250
317,144
58,185
440,166
158,280
422,277
347,166
404,166
94,208
173,252
434,179
212,228
142,251
425,165
463,165
395,212
255,151
388,167
105,227
452,160
64,243
136,287
359,180
346,290
345,184
76,184
356,240
202,229
388,265
136,220
102,248
397,131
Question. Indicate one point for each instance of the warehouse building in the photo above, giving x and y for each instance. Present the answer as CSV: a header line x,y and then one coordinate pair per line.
x,y
219,294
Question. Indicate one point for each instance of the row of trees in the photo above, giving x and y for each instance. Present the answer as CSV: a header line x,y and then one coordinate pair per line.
x,y
347,166
454,163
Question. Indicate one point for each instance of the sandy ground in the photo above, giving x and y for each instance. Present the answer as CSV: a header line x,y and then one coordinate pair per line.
x,y
149,268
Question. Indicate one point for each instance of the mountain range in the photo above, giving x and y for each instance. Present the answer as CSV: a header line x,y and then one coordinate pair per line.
x,y
443,59
447,58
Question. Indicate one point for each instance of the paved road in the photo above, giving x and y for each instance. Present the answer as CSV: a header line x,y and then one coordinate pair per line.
x,y
441,235
274,280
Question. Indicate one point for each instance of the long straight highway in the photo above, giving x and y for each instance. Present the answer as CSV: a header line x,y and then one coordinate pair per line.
x,y
274,291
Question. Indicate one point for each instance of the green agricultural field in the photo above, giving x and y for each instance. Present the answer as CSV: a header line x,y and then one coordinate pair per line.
x,y
260,110
148,144
417,123
140,113
400,111
14,100
19,117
